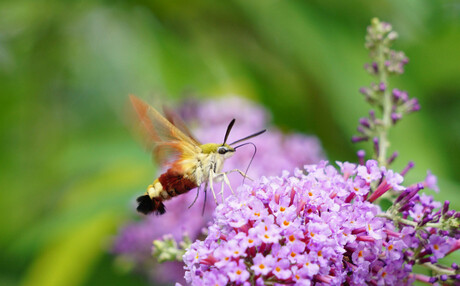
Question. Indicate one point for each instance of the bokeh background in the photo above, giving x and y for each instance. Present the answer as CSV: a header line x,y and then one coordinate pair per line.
x,y
70,166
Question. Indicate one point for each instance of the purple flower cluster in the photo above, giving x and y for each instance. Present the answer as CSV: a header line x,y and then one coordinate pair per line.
x,y
208,121
321,227
394,103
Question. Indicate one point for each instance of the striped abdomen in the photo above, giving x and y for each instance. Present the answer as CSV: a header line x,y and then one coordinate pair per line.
x,y
167,186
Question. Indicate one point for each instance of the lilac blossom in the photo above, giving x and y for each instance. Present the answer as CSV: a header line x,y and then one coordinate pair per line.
x,y
427,228
392,103
208,121
307,231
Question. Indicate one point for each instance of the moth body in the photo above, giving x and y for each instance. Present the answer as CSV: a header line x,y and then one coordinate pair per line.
x,y
194,164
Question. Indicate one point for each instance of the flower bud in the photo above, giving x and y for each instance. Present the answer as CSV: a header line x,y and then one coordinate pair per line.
x,y
409,166
445,207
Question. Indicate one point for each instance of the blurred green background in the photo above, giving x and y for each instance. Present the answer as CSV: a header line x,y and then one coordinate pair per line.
x,y
70,164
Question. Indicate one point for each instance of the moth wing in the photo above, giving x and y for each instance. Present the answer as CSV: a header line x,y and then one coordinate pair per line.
x,y
169,145
177,121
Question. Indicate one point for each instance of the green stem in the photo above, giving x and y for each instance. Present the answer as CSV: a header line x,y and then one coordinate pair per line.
x,y
386,108
438,269
399,219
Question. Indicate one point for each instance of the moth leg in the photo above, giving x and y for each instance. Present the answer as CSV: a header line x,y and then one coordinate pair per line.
x,y
222,190
219,178
196,197
211,183
205,197
241,173
225,180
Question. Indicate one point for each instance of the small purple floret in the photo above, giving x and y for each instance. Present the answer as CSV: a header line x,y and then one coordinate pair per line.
x,y
375,67
409,166
395,117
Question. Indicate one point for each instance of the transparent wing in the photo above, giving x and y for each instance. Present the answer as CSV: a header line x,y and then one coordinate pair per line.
x,y
177,121
169,145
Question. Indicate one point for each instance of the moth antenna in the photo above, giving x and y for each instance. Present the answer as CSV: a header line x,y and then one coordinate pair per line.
x,y
253,154
248,137
229,128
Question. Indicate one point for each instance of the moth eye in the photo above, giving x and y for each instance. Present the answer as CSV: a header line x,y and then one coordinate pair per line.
x,y
222,150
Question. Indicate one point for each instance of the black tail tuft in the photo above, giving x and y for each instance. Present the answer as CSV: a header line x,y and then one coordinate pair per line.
x,y
148,205
160,208
145,204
